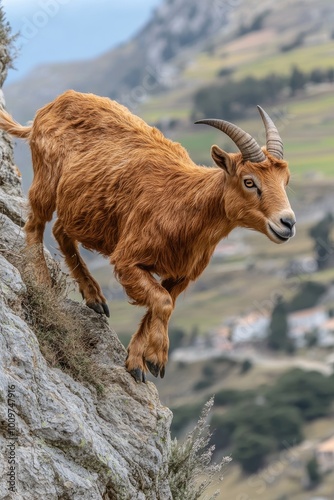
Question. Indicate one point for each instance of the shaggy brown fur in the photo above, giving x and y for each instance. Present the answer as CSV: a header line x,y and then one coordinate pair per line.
x,y
121,188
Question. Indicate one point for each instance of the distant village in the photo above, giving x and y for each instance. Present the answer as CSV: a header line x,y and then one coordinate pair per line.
x,y
243,335
238,334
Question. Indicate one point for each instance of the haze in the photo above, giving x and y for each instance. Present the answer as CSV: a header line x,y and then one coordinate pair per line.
x,y
65,30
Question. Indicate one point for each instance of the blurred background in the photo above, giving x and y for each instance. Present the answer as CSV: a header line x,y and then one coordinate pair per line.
x,y
257,329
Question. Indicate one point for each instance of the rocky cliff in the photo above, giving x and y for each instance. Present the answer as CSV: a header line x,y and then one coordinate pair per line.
x,y
60,438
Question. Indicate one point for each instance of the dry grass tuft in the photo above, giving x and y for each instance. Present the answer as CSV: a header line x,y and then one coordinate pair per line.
x,y
192,459
64,340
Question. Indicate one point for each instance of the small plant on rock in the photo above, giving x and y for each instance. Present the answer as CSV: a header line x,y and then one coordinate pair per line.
x,y
191,470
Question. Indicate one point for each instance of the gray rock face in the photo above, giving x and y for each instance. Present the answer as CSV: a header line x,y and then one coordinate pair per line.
x,y
59,439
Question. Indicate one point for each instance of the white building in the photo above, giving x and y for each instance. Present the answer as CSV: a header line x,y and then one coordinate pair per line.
x,y
326,333
250,328
325,455
302,323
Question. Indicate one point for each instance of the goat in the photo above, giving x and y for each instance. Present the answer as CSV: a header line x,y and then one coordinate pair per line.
x,y
120,187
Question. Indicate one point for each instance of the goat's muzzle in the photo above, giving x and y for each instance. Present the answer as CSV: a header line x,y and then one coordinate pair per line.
x,y
283,230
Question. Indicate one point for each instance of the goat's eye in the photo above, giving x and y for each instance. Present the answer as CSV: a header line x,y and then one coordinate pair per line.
x,y
249,183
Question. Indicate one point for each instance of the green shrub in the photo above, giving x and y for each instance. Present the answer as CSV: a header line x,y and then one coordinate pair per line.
x,y
232,396
278,339
281,426
7,45
246,365
208,371
183,416
286,426
313,473
251,450
202,384
271,418
177,337
308,295
63,339
222,431
225,72
312,393
232,99
297,42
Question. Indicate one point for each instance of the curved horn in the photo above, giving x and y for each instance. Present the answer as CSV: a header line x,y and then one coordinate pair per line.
x,y
274,142
247,145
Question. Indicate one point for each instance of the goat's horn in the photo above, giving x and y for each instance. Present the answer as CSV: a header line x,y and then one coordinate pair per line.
x,y
247,145
274,142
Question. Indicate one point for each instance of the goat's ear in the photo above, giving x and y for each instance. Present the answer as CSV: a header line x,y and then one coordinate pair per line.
x,y
223,160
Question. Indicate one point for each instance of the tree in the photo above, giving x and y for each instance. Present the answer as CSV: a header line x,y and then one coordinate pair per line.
x,y
323,246
251,449
233,396
177,338
278,329
221,437
286,425
313,473
258,423
308,295
6,46
246,365
312,393
318,75
297,80
209,371
330,75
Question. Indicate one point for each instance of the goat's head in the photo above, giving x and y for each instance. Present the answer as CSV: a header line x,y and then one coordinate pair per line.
x,y
256,180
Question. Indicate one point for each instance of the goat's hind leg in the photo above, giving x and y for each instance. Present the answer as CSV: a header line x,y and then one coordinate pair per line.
x,y
88,286
42,206
42,200
36,263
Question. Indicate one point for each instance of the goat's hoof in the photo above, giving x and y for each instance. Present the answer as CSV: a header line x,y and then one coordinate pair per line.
x,y
138,375
99,308
106,309
155,369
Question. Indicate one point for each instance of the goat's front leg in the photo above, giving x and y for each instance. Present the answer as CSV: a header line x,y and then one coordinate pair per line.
x,y
175,286
148,348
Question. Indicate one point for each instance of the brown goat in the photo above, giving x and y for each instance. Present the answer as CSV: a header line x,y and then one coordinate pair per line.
x,y
121,188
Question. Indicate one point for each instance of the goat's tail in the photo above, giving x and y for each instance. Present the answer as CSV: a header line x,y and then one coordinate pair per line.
x,y
8,124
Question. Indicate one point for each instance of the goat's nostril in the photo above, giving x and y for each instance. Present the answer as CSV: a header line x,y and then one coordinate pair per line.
x,y
288,222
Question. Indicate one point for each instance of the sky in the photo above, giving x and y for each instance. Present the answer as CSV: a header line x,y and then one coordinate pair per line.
x,y
65,30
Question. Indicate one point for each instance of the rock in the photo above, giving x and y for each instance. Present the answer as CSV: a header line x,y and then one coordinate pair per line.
x,y
10,181
69,441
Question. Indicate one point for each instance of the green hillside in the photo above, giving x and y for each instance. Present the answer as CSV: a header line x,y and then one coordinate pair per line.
x,y
305,120
306,125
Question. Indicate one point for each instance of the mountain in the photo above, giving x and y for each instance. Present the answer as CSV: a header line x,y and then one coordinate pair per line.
x,y
181,33
146,60
110,24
